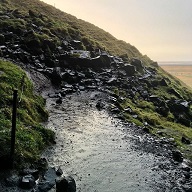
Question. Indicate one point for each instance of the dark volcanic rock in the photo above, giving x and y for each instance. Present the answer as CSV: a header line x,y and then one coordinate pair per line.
x,y
129,69
33,172
56,76
185,140
100,105
59,172
65,184
48,181
174,92
163,82
27,182
177,156
138,64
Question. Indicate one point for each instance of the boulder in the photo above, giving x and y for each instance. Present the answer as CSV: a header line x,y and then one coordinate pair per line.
x,y
183,119
185,140
59,172
138,64
76,44
56,75
65,184
146,130
27,182
129,69
49,62
155,99
69,77
178,106
102,61
112,81
59,100
163,82
34,46
174,92
42,164
100,105
28,171
177,156
162,108
47,182
49,43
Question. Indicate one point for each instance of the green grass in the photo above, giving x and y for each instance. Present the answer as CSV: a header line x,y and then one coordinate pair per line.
x,y
144,111
31,137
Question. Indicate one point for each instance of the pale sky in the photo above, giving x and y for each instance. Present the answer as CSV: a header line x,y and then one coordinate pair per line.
x,y
161,29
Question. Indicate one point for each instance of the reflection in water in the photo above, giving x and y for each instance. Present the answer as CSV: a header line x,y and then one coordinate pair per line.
x,y
91,146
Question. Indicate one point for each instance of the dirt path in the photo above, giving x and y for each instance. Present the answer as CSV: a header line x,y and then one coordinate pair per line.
x,y
99,150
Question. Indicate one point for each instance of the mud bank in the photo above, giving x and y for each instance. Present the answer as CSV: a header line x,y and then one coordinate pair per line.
x,y
105,154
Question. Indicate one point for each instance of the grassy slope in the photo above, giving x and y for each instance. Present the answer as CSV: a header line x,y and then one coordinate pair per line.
x,y
31,137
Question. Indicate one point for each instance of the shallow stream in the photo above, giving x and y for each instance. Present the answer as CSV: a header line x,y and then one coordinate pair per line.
x,y
98,149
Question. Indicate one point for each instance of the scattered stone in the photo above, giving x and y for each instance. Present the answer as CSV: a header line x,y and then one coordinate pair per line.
x,y
185,140
59,100
163,82
100,105
187,187
42,164
115,110
27,182
186,168
59,172
33,172
129,69
65,184
48,181
138,64
187,175
146,130
177,156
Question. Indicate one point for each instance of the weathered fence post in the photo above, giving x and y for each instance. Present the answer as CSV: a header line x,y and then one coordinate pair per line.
x,y
13,130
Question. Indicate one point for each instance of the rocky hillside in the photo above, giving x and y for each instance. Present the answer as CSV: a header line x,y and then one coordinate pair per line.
x,y
56,26
77,56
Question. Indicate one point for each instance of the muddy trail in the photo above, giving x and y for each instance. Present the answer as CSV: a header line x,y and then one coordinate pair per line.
x,y
105,154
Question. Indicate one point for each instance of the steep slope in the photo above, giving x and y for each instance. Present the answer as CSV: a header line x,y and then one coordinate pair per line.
x,y
61,23
77,56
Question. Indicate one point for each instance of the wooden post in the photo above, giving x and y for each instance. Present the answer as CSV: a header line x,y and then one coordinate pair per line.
x,y
13,130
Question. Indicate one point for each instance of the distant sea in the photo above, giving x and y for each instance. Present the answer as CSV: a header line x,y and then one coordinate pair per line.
x,y
175,63
180,69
